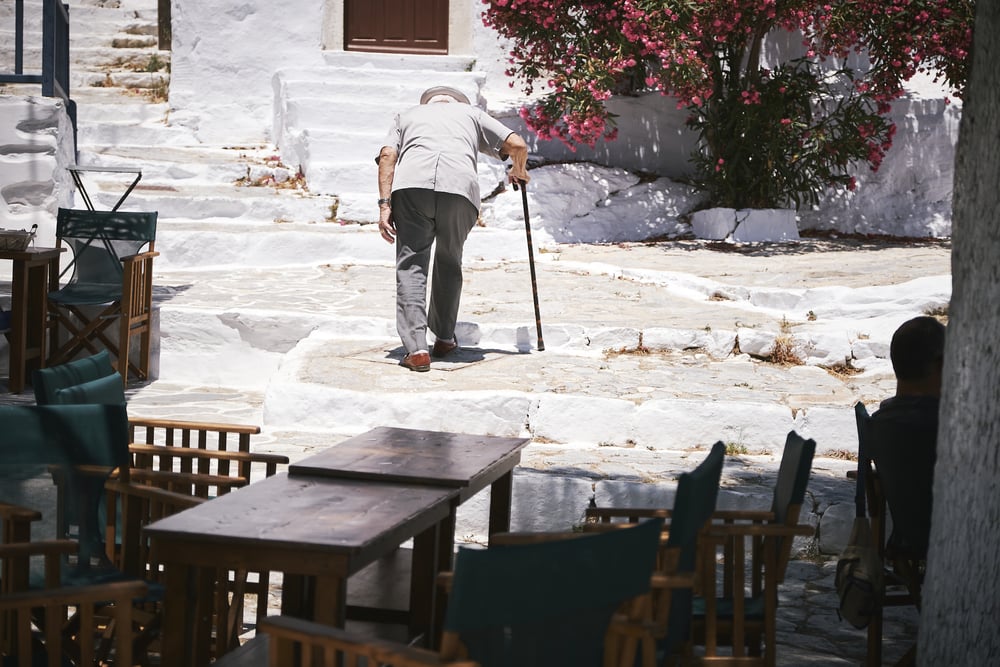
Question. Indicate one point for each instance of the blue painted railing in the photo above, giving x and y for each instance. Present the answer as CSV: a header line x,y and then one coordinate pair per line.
x,y
55,54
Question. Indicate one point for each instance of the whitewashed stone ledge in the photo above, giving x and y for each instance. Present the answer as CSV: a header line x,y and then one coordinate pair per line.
x,y
747,225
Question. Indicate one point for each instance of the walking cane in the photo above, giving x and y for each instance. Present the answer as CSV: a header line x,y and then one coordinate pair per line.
x,y
531,265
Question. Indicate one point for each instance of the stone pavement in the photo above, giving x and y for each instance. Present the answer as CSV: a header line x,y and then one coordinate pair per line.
x,y
639,376
594,402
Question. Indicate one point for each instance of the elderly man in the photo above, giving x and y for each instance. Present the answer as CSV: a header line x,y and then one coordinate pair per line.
x,y
429,192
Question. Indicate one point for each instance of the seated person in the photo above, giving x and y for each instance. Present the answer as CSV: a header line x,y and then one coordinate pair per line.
x,y
901,436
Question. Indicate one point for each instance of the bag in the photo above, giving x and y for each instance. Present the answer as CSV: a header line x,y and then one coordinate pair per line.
x,y
859,577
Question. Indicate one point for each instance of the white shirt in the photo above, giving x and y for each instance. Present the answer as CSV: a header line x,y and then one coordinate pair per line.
x,y
437,146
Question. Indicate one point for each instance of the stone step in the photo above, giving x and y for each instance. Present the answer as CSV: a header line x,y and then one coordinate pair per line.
x,y
91,59
122,111
343,108
167,165
133,133
122,79
189,243
200,202
318,338
390,61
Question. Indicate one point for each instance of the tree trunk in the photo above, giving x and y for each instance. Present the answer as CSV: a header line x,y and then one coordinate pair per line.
x,y
959,623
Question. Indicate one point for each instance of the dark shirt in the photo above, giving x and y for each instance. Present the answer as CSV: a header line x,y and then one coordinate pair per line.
x,y
902,440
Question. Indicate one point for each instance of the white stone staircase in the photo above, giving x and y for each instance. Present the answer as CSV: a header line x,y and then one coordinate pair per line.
x,y
331,120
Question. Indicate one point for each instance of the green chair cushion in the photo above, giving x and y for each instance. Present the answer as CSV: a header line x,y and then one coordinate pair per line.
x,y
107,390
47,381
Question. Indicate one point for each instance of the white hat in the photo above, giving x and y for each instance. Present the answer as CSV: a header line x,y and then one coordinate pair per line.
x,y
456,95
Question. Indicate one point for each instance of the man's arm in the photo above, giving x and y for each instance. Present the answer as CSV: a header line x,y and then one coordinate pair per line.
x,y
515,147
386,172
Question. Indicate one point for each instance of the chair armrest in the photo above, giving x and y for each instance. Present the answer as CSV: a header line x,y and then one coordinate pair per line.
x,y
16,559
508,539
379,651
154,493
633,514
119,591
199,482
9,512
184,425
217,454
139,256
757,530
630,514
192,434
742,515
38,548
666,581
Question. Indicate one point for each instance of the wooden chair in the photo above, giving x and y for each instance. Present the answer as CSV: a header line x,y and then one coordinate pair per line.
x,y
742,614
284,641
82,444
15,527
755,548
663,636
896,463
109,271
37,619
201,459
550,602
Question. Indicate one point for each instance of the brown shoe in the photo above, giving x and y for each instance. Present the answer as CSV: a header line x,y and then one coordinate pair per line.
x,y
442,348
417,361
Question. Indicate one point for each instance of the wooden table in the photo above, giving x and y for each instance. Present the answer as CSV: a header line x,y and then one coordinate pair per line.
x,y
464,462
461,461
317,531
34,271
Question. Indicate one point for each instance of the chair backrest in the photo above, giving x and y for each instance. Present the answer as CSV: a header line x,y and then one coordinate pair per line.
x,y
694,503
548,603
790,490
793,478
87,434
100,239
47,381
82,444
861,418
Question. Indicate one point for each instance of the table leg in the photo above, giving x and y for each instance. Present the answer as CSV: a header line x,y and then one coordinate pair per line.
x,y
293,592
204,585
329,600
501,492
18,326
423,578
177,636
29,313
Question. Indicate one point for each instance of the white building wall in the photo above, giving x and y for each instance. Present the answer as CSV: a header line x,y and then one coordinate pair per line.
x,y
36,146
224,56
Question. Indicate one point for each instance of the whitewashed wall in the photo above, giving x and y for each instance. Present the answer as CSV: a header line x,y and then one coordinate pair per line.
x,y
224,56
223,62
36,146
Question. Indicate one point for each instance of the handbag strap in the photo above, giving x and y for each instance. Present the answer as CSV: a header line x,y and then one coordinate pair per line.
x,y
863,466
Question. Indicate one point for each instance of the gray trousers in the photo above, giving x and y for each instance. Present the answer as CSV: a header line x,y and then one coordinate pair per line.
x,y
423,217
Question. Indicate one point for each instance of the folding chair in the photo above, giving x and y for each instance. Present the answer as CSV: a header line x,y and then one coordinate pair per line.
x,y
899,454
555,602
110,283
742,614
197,459
79,445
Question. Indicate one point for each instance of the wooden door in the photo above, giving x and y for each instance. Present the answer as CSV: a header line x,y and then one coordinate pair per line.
x,y
396,26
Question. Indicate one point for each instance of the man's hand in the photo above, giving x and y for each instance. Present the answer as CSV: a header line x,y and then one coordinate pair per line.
x,y
517,149
386,225
386,171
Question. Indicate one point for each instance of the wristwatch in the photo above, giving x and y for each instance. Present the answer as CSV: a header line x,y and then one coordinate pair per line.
x,y
384,201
